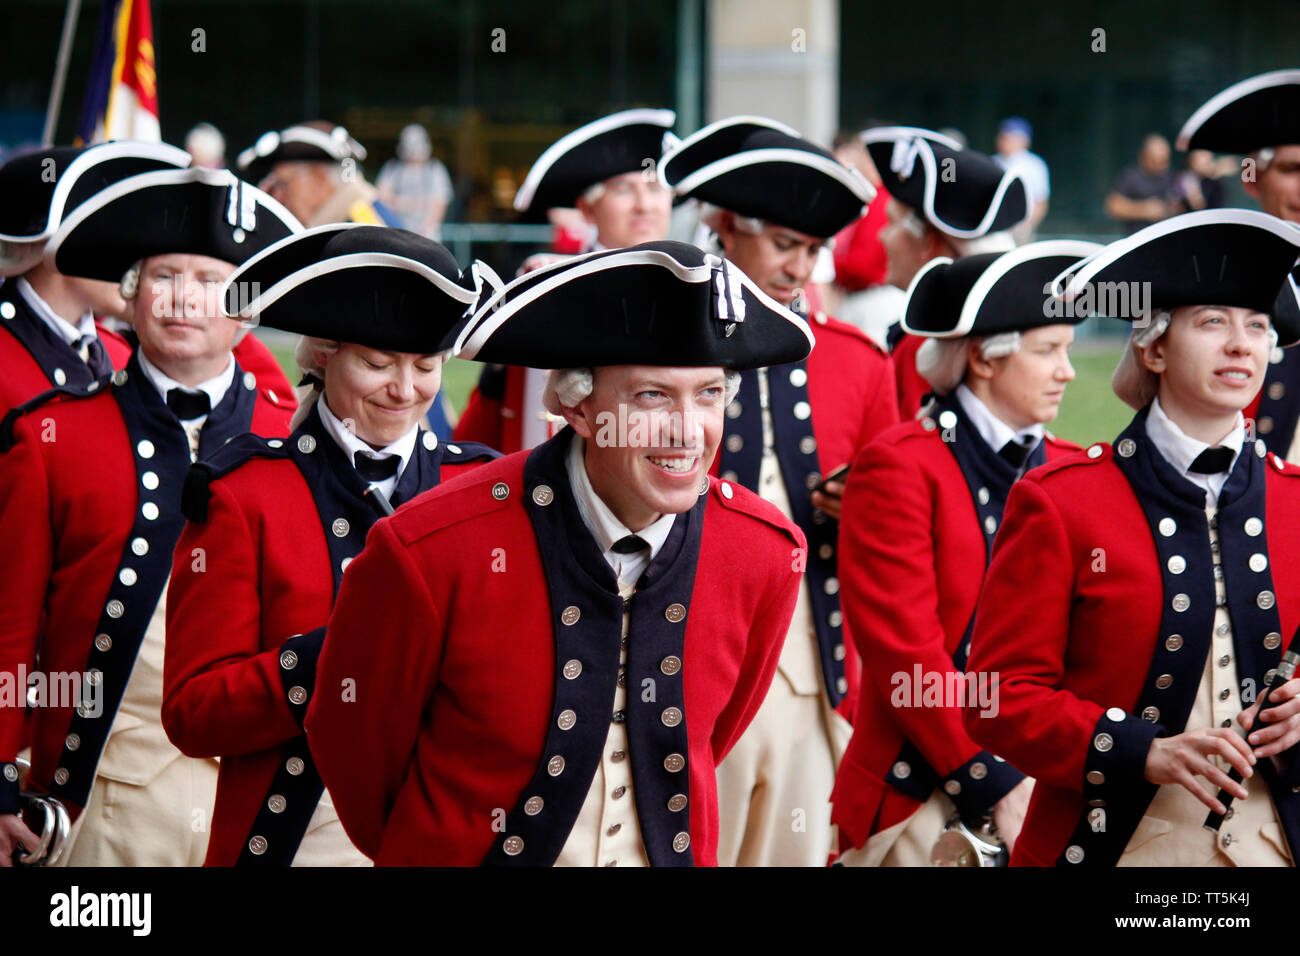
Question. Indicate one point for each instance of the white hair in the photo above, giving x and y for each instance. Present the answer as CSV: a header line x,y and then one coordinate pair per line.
x,y
1263,158
990,242
130,283
942,362
567,387
311,355
711,216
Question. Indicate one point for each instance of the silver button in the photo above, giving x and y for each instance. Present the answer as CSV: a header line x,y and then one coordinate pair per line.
x,y
812,480
11,772
838,652
1103,742
673,763
119,377
276,803
1253,527
1227,839
1151,714
566,720
250,380
103,642
297,694
1164,681
275,443
611,831
983,496
430,442
671,717
1264,425
149,510
1223,694
1264,600
295,766
1167,527
570,615
72,741
500,491
618,792
512,845
145,449
340,527
1126,447
842,685
902,770
832,586
990,524
1095,451
681,842
288,660
675,613
735,443
555,766
835,619
807,444
670,665
572,668
7,310
1177,564
734,410
543,495
1116,714
61,776
726,490
1225,660
1181,602
928,423
115,608
978,771
947,419
94,676
343,565
257,845
825,551
1173,642
1273,641
127,576
533,806
802,411
1258,562
454,449
1074,854
677,802
306,444
618,756
139,547
1096,777
798,377
952,788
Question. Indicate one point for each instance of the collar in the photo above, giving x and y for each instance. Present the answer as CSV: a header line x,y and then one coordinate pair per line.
x,y
64,329
1179,448
992,429
215,387
600,521
347,439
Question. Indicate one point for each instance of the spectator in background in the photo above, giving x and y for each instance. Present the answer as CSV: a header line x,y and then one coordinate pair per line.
x,y
866,299
1014,136
1146,192
1199,185
415,185
206,146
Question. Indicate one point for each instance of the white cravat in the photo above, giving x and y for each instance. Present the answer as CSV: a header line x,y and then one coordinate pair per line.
x,y
605,527
347,440
1181,449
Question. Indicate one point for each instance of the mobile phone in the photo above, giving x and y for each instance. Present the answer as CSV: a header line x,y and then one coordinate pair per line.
x,y
839,474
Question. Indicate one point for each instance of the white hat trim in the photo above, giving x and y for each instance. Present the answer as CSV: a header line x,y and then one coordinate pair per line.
x,y
1233,93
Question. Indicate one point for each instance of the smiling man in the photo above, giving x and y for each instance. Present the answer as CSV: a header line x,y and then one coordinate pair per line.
x,y
90,483
551,655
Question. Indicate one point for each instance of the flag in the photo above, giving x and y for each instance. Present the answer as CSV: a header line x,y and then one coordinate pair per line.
x,y
121,99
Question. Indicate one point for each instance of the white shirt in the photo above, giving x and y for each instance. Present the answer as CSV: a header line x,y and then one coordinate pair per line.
x,y
605,527
347,440
1032,169
215,387
992,429
60,326
1181,449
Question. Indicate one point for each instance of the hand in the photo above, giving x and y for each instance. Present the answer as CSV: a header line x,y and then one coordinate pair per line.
x,y
1156,209
830,498
1182,758
1283,725
1009,812
12,832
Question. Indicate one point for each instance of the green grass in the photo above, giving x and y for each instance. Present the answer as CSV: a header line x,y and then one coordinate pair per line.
x,y
1090,412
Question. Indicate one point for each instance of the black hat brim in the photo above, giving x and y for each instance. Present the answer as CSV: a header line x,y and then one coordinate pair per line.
x,y
1262,111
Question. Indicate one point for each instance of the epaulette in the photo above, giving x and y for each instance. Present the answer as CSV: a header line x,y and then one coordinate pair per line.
x,y
1283,466
462,452
1096,452
441,508
736,497
63,392
196,493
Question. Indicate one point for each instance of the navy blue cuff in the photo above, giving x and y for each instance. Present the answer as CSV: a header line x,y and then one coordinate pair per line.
x,y
1117,756
298,657
978,784
10,801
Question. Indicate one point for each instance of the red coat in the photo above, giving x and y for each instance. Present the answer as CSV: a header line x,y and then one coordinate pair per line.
x,y
912,555
1072,616
253,356
69,491
268,577
444,628
494,413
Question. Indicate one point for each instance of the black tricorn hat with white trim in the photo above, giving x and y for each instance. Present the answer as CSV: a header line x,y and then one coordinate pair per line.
x,y
314,142
39,188
993,292
1258,112
195,211
960,192
385,288
604,148
761,168
658,303
1227,257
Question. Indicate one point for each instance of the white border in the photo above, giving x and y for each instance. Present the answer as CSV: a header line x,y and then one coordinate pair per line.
x,y
758,122
567,142
338,149
1189,220
851,179
926,154
912,286
476,334
1004,263
888,134
1233,93
87,160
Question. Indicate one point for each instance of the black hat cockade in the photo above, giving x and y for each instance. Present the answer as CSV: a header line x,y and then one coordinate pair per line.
x,y
658,303
760,168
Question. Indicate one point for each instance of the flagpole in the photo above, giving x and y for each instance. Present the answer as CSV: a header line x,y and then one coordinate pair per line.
x,y
61,70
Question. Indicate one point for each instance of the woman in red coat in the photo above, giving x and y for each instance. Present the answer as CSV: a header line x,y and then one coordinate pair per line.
x,y
923,504
1139,598
273,524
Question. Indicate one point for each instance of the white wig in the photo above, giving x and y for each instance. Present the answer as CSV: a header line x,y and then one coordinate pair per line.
x,y
942,362
567,387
